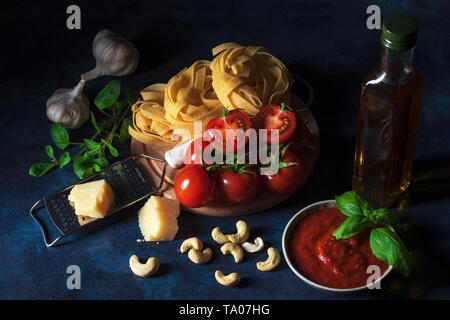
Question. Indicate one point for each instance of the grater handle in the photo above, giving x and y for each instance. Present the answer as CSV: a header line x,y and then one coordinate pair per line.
x,y
35,208
42,226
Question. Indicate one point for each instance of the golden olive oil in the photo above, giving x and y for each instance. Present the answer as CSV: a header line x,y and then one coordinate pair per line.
x,y
388,118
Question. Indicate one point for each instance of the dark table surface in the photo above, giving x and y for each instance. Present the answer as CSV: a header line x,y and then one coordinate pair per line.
x,y
326,42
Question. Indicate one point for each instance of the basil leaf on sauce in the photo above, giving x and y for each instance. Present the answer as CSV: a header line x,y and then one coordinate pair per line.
x,y
352,204
385,216
388,247
352,226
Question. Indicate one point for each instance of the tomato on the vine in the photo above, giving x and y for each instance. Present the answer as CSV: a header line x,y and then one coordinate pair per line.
x,y
197,148
290,175
225,128
194,187
273,117
238,185
302,141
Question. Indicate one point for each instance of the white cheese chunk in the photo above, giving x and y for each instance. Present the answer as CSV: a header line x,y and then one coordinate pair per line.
x,y
92,199
169,206
158,219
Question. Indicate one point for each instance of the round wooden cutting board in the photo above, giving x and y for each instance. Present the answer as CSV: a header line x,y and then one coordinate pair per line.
x,y
220,207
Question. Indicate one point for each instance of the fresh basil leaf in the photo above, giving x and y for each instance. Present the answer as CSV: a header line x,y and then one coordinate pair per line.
x,y
388,247
39,169
131,96
82,165
101,161
59,135
49,151
64,159
96,167
385,216
92,145
350,204
94,122
120,104
124,135
108,96
111,149
350,227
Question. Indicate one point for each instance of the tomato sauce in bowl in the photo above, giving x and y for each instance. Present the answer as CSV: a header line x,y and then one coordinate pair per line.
x,y
316,254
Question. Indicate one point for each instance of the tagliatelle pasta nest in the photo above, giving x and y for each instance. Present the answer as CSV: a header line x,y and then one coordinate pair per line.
x,y
249,78
246,78
168,112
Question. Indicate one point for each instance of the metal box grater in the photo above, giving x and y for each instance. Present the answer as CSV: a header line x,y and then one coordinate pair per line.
x,y
128,180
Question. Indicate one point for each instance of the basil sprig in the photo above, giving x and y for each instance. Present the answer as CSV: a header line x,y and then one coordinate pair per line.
x,y
385,244
92,154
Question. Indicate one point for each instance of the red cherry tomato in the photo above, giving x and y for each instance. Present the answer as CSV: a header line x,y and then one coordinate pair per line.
x,y
287,179
302,141
273,117
223,129
198,148
193,186
238,187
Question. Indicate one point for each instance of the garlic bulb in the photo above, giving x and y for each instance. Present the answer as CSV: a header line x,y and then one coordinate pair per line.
x,y
115,56
69,107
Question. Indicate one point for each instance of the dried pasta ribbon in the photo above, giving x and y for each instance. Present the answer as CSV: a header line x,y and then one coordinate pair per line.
x,y
190,97
249,78
168,111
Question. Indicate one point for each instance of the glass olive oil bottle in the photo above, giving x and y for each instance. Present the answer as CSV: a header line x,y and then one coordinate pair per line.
x,y
388,117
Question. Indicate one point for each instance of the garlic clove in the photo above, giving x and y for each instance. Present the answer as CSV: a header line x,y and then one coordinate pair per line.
x,y
114,55
69,107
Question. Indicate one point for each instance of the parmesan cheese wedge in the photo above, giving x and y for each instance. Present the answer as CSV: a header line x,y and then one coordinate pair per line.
x,y
158,219
92,199
169,206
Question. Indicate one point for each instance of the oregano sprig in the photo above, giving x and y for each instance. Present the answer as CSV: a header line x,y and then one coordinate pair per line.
x,y
40,169
92,154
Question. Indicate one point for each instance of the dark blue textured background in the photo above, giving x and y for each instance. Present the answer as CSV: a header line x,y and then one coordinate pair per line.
x,y
326,42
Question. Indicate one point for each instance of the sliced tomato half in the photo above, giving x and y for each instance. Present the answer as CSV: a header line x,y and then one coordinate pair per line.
x,y
273,117
224,130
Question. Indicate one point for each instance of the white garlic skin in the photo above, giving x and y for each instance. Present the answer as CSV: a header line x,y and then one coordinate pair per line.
x,y
69,107
115,55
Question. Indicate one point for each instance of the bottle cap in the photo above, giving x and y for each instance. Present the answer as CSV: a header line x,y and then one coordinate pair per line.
x,y
399,32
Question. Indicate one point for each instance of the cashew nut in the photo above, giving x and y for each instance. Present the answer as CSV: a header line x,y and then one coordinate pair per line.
x,y
253,247
241,236
199,256
229,280
191,243
243,232
234,250
218,236
143,269
271,262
